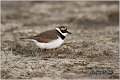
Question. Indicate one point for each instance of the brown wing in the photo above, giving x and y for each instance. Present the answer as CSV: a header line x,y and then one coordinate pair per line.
x,y
42,37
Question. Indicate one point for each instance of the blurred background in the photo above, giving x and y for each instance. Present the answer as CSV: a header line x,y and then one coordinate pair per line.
x,y
37,15
94,40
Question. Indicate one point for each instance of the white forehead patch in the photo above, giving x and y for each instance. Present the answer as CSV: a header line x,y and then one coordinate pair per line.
x,y
64,28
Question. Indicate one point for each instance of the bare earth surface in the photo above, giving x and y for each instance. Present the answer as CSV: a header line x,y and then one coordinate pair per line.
x,y
90,52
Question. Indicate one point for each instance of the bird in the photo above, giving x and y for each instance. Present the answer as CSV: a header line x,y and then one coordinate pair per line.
x,y
50,39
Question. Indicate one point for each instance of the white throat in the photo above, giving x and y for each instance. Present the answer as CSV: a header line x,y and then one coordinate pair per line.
x,y
64,34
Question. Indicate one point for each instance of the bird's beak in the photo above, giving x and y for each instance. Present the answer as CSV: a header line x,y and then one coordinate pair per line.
x,y
68,32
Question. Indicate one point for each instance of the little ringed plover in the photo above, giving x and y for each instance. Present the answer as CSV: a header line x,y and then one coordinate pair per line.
x,y
50,39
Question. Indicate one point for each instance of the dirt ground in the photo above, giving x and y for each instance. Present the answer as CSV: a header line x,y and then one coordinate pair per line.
x,y
90,52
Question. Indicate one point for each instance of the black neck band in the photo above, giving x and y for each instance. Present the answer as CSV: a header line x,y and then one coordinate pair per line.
x,y
62,36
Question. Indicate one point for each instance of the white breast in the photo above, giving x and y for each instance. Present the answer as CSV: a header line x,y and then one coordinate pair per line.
x,y
53,44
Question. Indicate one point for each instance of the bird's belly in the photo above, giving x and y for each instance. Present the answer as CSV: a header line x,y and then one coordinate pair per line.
x,y
53,44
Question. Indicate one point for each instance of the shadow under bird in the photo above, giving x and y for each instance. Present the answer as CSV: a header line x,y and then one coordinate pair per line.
x,y
50,39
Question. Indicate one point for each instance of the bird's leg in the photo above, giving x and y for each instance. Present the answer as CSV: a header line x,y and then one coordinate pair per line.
x,y
43,50
49,53
53,52
39,50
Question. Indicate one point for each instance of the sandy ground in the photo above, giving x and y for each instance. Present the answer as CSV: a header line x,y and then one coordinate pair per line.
x,y
90,52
